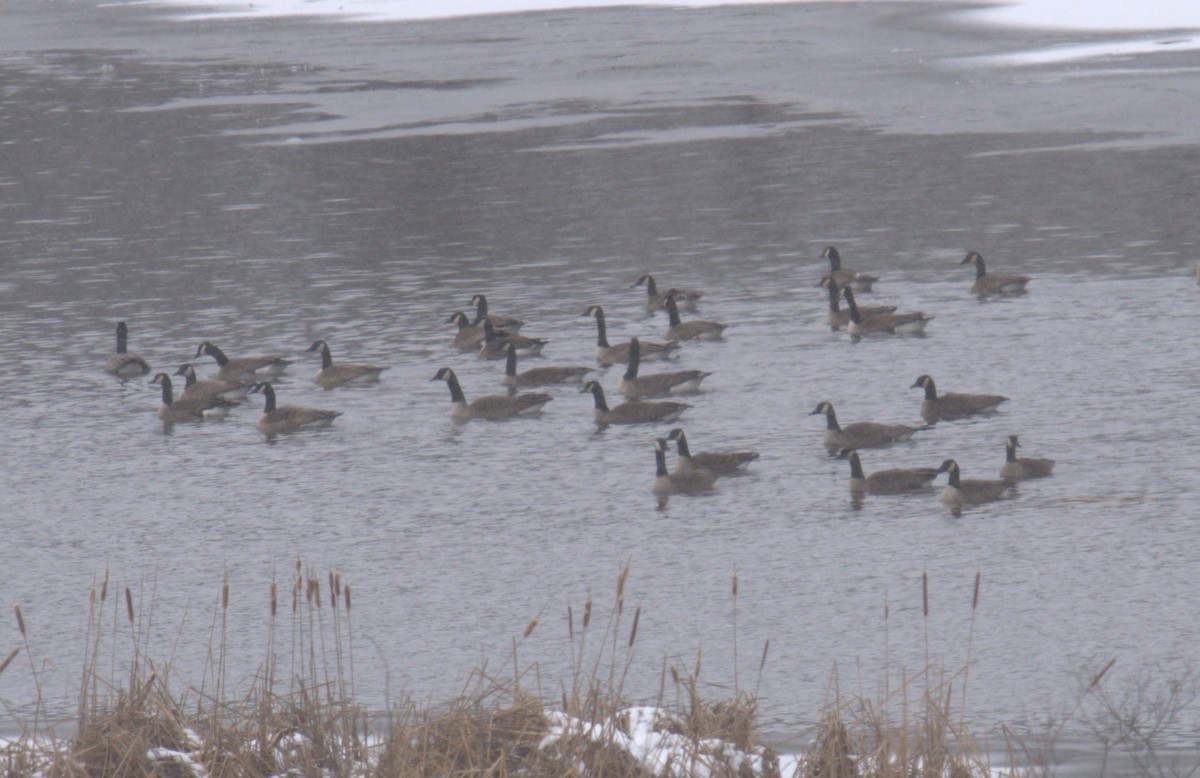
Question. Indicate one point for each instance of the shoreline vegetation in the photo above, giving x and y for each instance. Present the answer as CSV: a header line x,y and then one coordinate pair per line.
x,y
298,716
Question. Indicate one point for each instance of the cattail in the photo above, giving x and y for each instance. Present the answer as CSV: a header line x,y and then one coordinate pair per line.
x,y
1101,674
12,656
696,673
225,596
20,620
346,591
129,604
621,587
92,597
637,614
314,584
735,583
274,599
975,597
298,567
763,662
295,596
925,593
104,586
587,612
333,598
570,623
675,675
530,627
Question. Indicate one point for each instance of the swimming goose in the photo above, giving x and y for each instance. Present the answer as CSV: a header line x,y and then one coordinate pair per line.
x,y
843,276
969,491
860,434
681,481
493,407
953,405
232,391
469,335
1016,468
717,462
656,300
839,318
607,354
540,376
695,329
288,418
632,411
993,283
912,323
240,368
507,323
124,363
186,409
495,344
899,480
331,376
634,386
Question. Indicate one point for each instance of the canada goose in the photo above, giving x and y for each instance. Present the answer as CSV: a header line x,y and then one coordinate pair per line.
x,y
469,335
493,407
331,376
507,323
694,481
633,411
993,283
232,391
607,354
288,418
843,276
695,329
189,409
634,386
1016,468
123,363
898,480
495,344
656,300
912,323
243,367
717,462
969,491
860,434
540,376
953,405
839,318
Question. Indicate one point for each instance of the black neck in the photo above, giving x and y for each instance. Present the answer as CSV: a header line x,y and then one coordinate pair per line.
x,y
122,336
831,422
1010,452
462,320
930,390
326,357
673,311
481,309
834,305
835,260
268,392
168,395
651,287
635,359
954,477
854,317
598,395
660,460
489,332
979,269
189,378
681,446
218,355
856,470
510,364
601,331
456,392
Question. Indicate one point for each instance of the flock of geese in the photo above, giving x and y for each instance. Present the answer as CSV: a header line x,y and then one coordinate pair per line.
x,y
498,337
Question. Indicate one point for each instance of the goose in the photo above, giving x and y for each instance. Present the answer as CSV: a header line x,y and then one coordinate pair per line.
x,y
656,300
288,418
607,354
680,482
953,405
912,323
186,409
469,335
540,376
124,363
506,323
860,434
495,344
899,480
634,386
493,407
331,376
993,283
695,329
839,318
632,411
969,491
240,368
718,463
232,391
1016,468
843,276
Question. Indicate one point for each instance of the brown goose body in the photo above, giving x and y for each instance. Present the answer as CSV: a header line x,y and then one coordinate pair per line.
x,y
493,407
633,411
540,376
231,391
911,323
280,419
243,368
186,409
495,345
838,317
859,434
124,363
953,405
469,336
332,376
696,329
506,323
969,491
666,483
656,300
1019,468
636,387
844,275
607,354
993,283
717,462
899,480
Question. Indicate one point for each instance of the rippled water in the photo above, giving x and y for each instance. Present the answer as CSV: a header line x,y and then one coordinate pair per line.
x,y
454,537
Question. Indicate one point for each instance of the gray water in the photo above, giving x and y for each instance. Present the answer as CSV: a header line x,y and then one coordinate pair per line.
x,y
360,183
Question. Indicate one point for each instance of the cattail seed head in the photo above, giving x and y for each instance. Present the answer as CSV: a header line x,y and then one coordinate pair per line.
x,y
975,596
104,586
129,604
4,665
274,599
347,593
587,612
925,593
637,614
225,596
735,583
530,627
20,620
570,623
